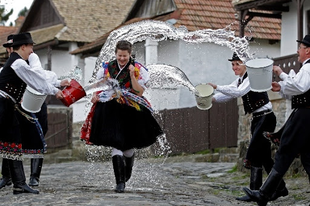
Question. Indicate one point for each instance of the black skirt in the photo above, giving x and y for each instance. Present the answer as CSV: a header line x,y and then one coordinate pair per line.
x,y
123,127
32,134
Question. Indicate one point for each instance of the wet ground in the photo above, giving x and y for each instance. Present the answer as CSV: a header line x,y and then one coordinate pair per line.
x,y
175,181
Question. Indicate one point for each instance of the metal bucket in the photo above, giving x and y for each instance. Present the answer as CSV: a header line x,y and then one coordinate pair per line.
x,y
260,74
204,96
72,93
32,100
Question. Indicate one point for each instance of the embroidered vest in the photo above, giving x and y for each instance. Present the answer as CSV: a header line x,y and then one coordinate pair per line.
x,y
301,100
253,100
10,82
124,76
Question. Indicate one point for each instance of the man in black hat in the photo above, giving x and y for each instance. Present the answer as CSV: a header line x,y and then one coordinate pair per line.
x,y
14,77
263,119
295,136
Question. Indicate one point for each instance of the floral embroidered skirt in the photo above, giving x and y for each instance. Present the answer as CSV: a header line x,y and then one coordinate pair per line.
x,y
120,126
19,136
32,133
10,138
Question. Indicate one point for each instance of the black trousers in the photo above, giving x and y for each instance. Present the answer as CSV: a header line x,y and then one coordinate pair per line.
x,y
259,151
295,140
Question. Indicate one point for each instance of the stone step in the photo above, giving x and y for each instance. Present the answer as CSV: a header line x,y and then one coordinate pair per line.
x,y
218,157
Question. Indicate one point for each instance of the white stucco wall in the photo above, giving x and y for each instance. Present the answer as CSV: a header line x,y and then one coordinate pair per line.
x,y
202,63
62,61
289,28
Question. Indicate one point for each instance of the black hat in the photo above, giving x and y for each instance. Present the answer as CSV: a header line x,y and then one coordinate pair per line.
x,y
9,41
305,40
234,57
22,38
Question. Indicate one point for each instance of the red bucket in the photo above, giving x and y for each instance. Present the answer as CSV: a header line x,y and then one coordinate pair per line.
x,y
72,93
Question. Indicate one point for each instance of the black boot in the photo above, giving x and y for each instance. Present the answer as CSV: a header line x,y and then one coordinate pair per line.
x,y
263,195
119,172
255,182
128,165
19,179
36,166
6,177
281,191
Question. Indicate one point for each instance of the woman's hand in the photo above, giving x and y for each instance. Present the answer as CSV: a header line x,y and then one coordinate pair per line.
x,y
95,98
132,71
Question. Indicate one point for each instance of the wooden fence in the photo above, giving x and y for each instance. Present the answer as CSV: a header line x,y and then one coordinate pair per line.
x,y
191,130
59,134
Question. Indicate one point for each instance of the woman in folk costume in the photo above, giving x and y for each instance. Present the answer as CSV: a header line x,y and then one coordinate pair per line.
x,y
121,117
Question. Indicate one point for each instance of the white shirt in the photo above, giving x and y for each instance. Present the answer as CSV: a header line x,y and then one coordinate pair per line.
x,y
295,84
231,91
35,76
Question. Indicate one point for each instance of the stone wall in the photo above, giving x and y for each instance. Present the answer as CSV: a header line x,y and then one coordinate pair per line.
x,y
282,110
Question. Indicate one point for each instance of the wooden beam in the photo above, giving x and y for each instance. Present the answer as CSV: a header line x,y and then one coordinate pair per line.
x,y
274,8
300,22
257,3
276,16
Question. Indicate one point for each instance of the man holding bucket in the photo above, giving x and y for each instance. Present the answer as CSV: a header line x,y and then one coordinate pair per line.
x,y
14,77
263,119
295,135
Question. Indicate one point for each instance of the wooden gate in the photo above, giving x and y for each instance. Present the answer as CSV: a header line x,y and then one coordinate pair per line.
x,y
59,134
191,130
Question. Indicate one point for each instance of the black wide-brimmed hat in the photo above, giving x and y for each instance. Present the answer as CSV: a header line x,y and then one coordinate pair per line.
x,y
9,41
22,38
305,40
234,57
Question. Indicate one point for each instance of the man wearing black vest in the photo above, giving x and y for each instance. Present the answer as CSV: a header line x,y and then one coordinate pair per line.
x,y
263,119
14,77
295,137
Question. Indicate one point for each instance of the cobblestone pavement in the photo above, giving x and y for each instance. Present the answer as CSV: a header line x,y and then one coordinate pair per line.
x,y
174,181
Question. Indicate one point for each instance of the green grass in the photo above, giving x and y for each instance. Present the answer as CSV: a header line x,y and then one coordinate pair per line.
x,y
208,151
233,170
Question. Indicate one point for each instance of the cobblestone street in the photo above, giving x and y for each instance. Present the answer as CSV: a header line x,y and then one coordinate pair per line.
x,y
174,181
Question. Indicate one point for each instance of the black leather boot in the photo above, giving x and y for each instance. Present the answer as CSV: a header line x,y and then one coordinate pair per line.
x,y
119,172
19,179
263,195
281,191
6,177
256,181
36,167
128,166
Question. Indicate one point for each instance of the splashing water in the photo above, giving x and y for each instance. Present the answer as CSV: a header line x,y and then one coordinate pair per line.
x,y
167,76
160,31
74,73
162,76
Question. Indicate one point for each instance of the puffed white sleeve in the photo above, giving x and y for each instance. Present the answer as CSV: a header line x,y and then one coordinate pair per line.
x,y
34,77
51,77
